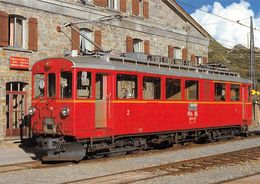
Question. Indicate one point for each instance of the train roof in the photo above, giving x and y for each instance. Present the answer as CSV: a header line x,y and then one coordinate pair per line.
x,y
110,62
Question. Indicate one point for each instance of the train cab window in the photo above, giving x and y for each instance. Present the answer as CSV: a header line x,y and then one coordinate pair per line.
x,y
234,92
192,90
51,85
173,89
84,84
39,85
151,88
126,86
220,92
66,85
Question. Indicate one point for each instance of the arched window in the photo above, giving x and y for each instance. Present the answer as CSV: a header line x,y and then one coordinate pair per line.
x,y
86,45
138,45
16,31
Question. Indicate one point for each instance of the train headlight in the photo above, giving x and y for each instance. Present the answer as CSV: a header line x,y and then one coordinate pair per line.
x,y
31,111
65,111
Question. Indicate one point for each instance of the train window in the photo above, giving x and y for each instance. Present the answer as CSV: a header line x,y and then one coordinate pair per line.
x,y
51,85
192,90
39,85
234,92
249,93
220,92
126,86
151,88
173,89
99,87
66,85
84,84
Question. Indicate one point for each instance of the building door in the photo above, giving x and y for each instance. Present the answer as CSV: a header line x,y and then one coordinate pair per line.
x,y
102,105
16,108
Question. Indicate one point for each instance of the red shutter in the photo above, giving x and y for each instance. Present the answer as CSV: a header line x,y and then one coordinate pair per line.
x,y
205,60
135,7
129,44
184,54
146,9
102,3
98,39
75,39
33,34
146,47
4,31
192,59
170,51
123,5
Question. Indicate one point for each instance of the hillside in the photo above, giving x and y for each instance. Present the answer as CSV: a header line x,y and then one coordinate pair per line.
x,y
236,59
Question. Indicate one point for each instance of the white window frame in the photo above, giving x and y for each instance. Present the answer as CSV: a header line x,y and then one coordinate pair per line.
x,y
141,8
177,53
198,60
114,4
138,45
12,39
86,45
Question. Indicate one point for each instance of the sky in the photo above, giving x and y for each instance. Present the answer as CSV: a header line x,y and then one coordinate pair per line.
x,y
228,33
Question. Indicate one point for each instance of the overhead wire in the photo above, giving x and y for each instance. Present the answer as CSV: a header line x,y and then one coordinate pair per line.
x,y
234,21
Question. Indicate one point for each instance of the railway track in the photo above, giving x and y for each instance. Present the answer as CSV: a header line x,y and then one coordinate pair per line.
x,y
39,165
176,168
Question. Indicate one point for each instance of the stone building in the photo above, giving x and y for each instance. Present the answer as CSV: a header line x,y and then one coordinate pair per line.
x,y
28,32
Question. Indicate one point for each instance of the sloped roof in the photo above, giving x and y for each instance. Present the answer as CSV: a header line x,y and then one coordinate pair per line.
x,y
184,15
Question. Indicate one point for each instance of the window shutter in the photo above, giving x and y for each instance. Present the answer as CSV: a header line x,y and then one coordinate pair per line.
x,y
205,60
170,51
184,54
146,47
123,5
135,7
146,9
75,39
97,39
102,3
33,34
129,44
4,31
192,59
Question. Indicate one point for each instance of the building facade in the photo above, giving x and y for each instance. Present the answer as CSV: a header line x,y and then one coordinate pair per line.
x,y
29,32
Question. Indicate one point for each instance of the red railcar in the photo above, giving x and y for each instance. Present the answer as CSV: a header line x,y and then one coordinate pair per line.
x,y
90,105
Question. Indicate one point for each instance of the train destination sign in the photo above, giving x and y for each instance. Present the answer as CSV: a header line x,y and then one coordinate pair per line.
x,y
17,62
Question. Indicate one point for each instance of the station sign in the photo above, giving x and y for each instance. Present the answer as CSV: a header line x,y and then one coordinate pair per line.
x,y
17,62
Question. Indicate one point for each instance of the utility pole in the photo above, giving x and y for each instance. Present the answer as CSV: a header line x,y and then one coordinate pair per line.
x,y
252,71
252,55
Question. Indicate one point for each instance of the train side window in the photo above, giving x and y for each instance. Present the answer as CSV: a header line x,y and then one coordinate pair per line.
x,y
220,92
126,86
151,88
235,92
66,85
249,93
84,84
192,90
39,85
173,89
99,87
51,85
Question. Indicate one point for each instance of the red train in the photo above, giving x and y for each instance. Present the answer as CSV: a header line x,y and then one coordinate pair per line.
x,y
97,105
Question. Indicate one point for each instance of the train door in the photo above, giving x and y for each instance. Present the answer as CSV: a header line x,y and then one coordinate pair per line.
x,y
102,105
244,100
16,106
